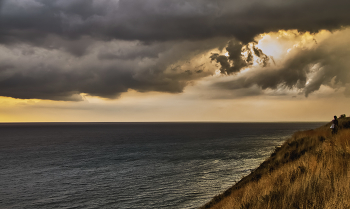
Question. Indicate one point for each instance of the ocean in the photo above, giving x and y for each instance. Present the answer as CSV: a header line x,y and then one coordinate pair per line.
x,y
130,165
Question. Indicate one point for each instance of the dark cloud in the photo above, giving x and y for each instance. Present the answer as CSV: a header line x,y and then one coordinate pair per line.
x,y
235,61
52,74
168,33
109,82
159,20
239,57
134,51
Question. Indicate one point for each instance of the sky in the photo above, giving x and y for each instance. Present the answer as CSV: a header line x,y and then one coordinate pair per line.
x,y
174,60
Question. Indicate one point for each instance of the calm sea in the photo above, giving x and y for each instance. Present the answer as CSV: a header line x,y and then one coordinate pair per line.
x,y
130,165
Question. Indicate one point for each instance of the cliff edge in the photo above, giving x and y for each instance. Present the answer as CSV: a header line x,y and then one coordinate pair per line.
x,y
310,170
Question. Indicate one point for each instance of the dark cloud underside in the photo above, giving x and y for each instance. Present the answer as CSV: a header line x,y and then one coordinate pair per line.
x,y
107,71
161,20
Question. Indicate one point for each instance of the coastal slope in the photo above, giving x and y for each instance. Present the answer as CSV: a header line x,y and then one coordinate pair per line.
x,y
310,170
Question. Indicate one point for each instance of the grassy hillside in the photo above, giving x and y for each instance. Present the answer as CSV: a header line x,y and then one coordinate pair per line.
x,y
310,170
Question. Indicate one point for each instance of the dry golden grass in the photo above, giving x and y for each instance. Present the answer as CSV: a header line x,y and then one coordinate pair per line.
x,y
310,170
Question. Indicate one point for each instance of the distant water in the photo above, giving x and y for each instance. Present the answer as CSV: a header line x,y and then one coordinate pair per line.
x,y
130,165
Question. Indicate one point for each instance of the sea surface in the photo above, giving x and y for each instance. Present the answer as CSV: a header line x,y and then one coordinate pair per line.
x,y
130,165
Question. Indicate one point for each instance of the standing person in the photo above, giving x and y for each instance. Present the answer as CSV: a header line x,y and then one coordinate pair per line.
x,y
334,125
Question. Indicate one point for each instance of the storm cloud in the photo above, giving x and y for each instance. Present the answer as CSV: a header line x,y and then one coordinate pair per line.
x,y
159,20
58,49
107,71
